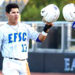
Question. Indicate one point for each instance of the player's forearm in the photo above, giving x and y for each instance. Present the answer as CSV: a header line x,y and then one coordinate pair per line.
x,y
45,31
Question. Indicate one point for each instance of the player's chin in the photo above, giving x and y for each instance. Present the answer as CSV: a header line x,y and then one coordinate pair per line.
x,y
15,21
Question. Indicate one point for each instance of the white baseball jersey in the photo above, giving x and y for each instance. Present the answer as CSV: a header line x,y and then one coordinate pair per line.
x,y
14,40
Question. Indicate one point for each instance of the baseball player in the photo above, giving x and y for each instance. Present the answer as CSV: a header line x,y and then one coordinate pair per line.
x,y
14,42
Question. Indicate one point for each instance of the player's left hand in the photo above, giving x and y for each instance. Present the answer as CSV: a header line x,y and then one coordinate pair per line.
x,y
49,23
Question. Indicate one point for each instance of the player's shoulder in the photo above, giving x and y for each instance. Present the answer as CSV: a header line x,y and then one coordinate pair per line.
x,y
23,24
2,26
2,29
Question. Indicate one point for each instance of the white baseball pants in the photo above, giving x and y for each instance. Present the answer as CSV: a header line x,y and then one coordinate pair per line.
x,y
15,67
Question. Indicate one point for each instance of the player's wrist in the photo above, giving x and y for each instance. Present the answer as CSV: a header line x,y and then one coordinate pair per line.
x,y
44,33
46,28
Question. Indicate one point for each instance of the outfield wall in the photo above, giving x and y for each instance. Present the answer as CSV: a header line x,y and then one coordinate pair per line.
x,y
52,62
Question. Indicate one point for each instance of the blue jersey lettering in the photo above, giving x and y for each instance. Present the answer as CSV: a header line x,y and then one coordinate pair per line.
x,y
10,38
21,36
15,36
24,38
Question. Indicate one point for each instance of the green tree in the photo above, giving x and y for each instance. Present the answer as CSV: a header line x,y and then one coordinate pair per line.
x,y
32,11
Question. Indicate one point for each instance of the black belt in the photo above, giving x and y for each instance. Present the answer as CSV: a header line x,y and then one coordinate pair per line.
x,y
16,59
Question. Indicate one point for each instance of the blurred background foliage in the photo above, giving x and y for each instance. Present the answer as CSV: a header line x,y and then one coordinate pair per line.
x,y
32,10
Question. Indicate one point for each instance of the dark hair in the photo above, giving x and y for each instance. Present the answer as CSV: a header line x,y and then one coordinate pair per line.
x,y
10,6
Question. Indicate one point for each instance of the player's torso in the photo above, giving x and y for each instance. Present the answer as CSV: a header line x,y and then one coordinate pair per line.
x,y
15,41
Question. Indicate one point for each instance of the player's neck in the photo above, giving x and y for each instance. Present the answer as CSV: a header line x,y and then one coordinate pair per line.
x,y
12,23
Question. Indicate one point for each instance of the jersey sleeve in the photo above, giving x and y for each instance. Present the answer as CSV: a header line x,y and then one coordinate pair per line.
x,y
1,39
33,34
